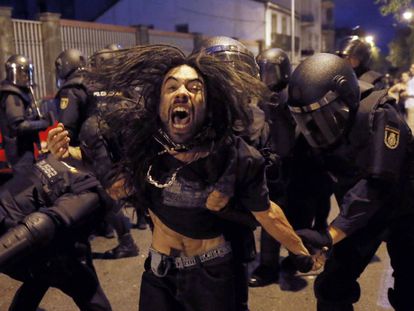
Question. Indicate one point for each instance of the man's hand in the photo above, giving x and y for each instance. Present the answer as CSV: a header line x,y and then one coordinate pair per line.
x,y
302,263
305,263
216,201
314,240
58,142
117,190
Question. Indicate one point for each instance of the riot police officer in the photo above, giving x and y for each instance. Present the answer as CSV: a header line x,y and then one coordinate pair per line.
x,y
274,69
83,99
235,53
20,118
46,216
358,53
367,149
291,178
72,95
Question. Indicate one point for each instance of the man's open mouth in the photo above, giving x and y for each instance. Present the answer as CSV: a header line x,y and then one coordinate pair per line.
x,y
180,117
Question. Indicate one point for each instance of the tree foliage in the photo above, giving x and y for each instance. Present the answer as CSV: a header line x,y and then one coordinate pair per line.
x,y
393,6
401,47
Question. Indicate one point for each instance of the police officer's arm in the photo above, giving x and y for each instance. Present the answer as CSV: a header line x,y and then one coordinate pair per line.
x,y
370,195
72,101
71,210
15,114
96,151
358,206
38,229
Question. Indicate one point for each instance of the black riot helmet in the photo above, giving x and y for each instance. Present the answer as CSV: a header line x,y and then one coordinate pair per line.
x,y
103,56
323,97
356,47
69,61
113,47
20,71
229,50
274,68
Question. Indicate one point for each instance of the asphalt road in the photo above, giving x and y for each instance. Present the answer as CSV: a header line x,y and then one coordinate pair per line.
x,y
120,280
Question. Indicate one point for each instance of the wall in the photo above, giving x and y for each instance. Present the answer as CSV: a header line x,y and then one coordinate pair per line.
x,y
243,19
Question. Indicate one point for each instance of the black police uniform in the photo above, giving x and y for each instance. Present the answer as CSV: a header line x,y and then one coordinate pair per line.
x,y
98,156
369,167
74,109
372,77
20,124
46,216
280,145
102,155
294,183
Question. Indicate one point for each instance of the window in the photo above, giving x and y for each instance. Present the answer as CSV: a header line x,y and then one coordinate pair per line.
x,y
284,25
274,23
329,15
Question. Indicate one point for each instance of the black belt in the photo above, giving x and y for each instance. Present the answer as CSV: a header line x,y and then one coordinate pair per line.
x,y
160,263
187,262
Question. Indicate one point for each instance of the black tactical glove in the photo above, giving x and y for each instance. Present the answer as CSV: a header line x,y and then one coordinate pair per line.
x,y
315,240
302,263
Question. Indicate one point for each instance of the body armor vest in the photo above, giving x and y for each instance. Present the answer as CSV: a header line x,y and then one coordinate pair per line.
x,y
372,77
56,178
13,146
375,136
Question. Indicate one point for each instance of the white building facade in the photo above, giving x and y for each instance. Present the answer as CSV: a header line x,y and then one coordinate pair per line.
x,y
268,22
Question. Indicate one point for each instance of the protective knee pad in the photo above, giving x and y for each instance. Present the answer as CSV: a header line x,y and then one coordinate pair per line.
x,y
36,229
332,290
40,226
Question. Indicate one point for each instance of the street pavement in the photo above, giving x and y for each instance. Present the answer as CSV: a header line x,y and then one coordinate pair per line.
x,y
120,280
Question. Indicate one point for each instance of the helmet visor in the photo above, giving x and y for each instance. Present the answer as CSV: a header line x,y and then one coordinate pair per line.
x,y
324,125
23,75
271,75
241,61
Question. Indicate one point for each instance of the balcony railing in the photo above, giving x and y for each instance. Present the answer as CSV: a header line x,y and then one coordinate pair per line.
x,y
284,42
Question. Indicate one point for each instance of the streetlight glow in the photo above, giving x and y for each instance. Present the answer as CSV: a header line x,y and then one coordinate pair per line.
x,y
369,39
407,15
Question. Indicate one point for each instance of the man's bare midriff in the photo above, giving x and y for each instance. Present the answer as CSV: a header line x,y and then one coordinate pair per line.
x,y
164,240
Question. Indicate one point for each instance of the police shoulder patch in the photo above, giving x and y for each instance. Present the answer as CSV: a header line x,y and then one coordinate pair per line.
x,y
391,137
64,101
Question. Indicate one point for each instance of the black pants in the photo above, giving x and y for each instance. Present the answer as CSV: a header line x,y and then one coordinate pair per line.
x,y
72,276
336,288
208,287
400,247
301,211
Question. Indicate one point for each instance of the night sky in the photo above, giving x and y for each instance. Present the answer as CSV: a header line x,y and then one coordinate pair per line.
x,y
350,13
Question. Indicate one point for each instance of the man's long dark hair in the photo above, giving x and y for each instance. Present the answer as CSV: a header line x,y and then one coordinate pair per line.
x,y
136,122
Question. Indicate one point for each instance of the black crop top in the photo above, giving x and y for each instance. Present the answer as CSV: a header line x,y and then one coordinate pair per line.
x,y
235,169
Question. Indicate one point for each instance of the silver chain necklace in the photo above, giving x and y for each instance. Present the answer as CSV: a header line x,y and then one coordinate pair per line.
x,y
169,181
173,177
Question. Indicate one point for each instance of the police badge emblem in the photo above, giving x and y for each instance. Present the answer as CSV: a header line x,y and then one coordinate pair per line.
x,y
64,101
391,137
